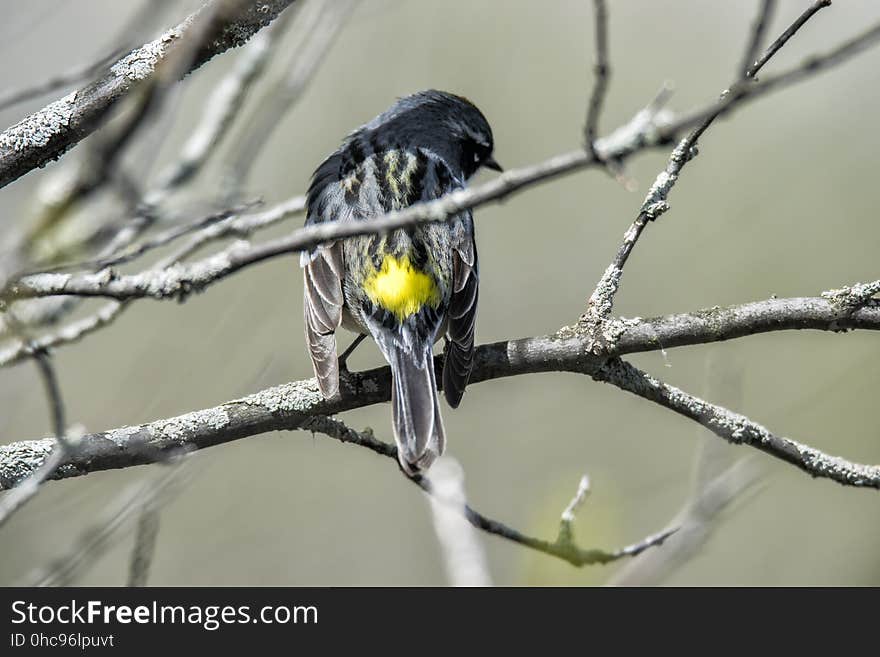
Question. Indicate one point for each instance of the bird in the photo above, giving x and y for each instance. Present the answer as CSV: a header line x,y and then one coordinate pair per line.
x,y
409,287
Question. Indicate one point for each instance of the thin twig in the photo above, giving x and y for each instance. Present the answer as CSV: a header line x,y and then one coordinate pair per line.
x,y
577,501
602,71
76,330
78,74
221,108
123,42
753,67
566,532
183,279
53,394
157,241
243,226
601,300
63,449
146,535
716,483
748,90
319,25
756,38
69,334
565,550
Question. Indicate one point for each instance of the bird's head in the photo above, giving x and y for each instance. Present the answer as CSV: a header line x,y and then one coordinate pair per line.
x,y
449,125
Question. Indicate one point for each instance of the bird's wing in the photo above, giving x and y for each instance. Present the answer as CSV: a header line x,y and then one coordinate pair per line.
x,y
322,308
323,272
462,314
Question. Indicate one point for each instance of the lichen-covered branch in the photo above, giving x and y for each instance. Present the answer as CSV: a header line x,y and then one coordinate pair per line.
x,y
294,405
563,547
738,429
594,346
181,279
47,134
720,479
726,323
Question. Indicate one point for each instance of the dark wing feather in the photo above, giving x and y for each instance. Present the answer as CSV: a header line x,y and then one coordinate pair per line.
x,y
462,314
322,274
322,306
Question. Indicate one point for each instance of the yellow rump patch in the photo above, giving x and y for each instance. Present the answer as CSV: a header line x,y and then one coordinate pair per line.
x,y
400,288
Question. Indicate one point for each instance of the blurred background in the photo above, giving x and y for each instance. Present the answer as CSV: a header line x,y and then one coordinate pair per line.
x,y
781,201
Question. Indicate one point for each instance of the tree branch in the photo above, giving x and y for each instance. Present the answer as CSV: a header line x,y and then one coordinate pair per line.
x,y
180,280
319,25
756,37
47,134
294,405
602,71
591,347
73,332
719,324
738,429
76,330
655,204
752,68
61,449
78,74
563,547
747,90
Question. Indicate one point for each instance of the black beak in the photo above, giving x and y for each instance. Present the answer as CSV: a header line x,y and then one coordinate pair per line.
x,y
490,163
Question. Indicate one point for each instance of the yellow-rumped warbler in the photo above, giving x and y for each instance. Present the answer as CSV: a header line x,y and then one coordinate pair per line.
x,y
408,288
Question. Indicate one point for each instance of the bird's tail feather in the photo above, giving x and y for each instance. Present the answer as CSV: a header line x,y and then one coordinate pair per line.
x,y
415,414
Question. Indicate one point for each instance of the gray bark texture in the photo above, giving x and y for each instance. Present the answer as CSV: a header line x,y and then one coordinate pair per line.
x,y
47,134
